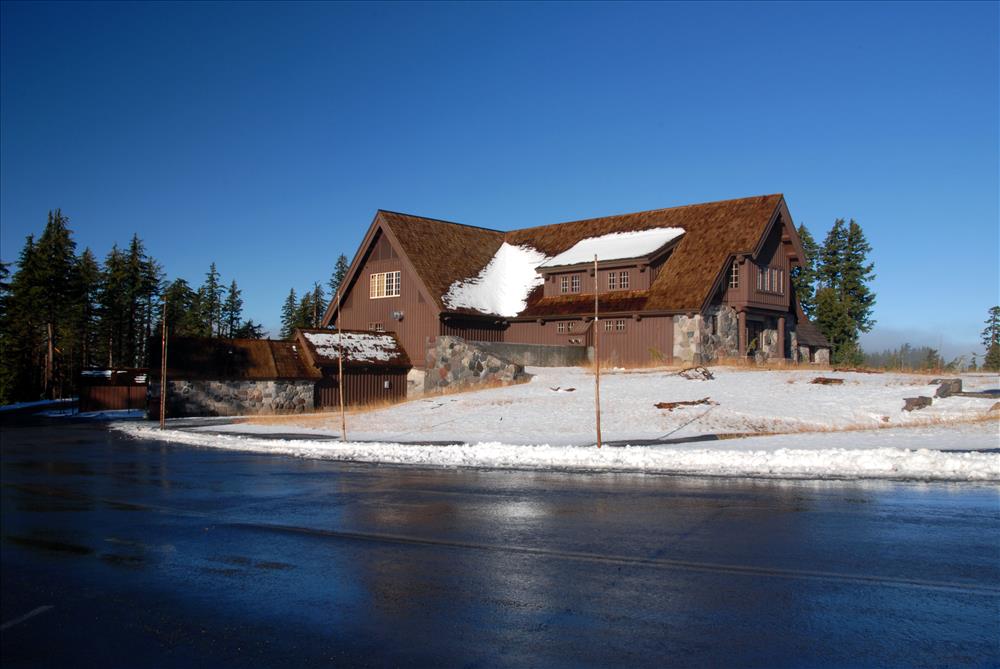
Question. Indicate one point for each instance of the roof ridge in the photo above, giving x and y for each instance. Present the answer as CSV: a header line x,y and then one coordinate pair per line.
x,y
647,211
440,220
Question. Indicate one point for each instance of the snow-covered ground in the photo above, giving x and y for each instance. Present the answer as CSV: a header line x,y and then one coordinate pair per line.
x,y
113,414
854,430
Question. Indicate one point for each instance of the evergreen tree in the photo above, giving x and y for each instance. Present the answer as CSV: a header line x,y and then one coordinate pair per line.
x,y
831,257
183,317
856,273
211,302
932,359
22,337
290,312
991,340
56,252
339,272
249,330
232,311
834,320
804,278
86,309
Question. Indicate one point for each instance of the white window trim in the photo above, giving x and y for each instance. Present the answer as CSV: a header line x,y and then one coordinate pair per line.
x,y
380,283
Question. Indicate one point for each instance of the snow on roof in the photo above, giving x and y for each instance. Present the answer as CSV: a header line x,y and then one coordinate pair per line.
x,y
616,246
502,287
358,346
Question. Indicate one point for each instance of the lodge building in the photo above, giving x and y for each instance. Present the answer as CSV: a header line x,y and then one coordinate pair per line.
x,y
694,283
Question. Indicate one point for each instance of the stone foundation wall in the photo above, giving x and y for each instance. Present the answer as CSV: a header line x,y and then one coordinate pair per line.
x,y
234,398
768,349
822,356
704,339
415,382
455,362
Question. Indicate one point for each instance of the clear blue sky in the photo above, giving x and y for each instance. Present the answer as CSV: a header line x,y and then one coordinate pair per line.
x,y
264,137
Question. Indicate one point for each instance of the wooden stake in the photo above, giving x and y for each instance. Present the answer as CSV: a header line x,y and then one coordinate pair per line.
x,y
340,372
163,369
597,357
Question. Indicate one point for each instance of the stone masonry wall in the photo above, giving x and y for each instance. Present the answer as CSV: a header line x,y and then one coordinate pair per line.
x,y
704,339
455,362
235,398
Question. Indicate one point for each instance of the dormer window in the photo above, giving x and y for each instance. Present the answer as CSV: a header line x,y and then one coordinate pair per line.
x,y
575,283
624,280
612,280
564,284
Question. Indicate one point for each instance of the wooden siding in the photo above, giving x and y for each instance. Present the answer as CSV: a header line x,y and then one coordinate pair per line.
x,y
775,254
360,310
112,398
472,329
633,346
639,279
361,387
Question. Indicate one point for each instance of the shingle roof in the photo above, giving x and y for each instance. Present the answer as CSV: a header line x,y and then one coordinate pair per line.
x,y
361,348
234,359
443,252
567,305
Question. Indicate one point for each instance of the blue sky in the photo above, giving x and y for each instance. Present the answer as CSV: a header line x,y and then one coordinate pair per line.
x,y
264,137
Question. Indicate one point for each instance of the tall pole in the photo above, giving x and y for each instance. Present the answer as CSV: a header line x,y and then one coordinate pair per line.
x,y
340,372
597,356
163,369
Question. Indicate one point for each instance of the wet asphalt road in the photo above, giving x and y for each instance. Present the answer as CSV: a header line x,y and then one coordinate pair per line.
x,y
127,553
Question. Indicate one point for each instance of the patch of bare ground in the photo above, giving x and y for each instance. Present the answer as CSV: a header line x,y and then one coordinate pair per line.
x,y
885,424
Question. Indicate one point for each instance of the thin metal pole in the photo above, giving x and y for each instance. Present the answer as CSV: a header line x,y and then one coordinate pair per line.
x,y
597,356
163,369
340,372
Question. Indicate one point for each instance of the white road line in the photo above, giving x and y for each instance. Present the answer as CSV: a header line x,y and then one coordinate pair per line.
x,y
30,614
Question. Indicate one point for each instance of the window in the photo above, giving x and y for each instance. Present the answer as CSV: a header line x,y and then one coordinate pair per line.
x,y
623,280
569,326
734,275
781,281
560,327
760,278
576,283
376,327
384,284
564,284
614,325
612,281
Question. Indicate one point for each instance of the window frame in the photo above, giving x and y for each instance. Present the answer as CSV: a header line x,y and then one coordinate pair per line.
x,y
575,283
564,283
612,280
624,279
380,283
734,275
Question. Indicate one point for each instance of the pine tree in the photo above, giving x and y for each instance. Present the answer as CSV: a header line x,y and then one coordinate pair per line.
x,y
319,305
834,320
804,277
211,302
991,340
289,315
22,335
856,273
249,330
829,272
183,317
339,272
86,307
232,311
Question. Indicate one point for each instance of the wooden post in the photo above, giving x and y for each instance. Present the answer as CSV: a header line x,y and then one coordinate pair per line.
x,y
340,372
781,337
597,357
163,369
49,363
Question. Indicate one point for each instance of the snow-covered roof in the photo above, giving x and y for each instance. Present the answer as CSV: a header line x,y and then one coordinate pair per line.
x,y
502,287
616,246
365,348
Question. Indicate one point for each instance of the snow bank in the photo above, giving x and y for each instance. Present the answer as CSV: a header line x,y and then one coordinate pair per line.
x,y
502,287
616,246
727,460
37,403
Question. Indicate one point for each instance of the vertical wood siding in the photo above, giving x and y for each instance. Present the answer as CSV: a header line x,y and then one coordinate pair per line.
x,y
361,387
473,330
359,310
644,342
112,398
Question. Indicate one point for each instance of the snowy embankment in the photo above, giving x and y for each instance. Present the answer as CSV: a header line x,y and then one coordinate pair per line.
x,y
795,456
853,430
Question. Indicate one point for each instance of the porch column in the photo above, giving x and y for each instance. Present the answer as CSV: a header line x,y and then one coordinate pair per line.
x,y
741,329
781,337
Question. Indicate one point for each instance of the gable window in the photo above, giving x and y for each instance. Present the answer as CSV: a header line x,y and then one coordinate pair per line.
x,y
376,327
624,280
576,283
612,281
384,284
564,284
734,275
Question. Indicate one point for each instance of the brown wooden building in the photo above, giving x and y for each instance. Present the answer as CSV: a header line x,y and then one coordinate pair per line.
x,y
375,366
690,283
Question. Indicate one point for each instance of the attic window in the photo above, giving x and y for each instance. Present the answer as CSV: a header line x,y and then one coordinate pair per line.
x,y
384,284
734,275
